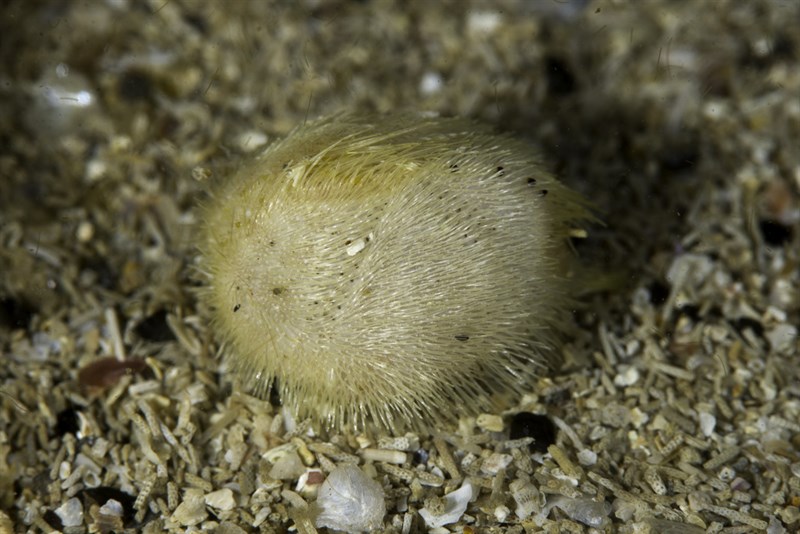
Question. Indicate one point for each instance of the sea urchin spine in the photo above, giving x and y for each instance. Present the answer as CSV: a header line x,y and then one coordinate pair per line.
x,y
400,270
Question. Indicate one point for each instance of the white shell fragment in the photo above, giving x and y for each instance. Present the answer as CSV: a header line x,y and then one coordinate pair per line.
x,y
707,423
309,482
221,499
350,501
587,457
627,376
71,513
356,247
192,510
455,506
527,497
590,513
111,508
782,337
496,462
501,513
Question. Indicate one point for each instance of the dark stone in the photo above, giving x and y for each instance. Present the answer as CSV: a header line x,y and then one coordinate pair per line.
x,y
155,328
420,457
135,85
15,313
775,234
536,426
659,292
560,80
746,323
275,394
67,422
198,22
52,519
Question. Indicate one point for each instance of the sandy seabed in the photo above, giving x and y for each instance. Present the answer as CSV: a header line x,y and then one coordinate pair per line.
x,y
677,407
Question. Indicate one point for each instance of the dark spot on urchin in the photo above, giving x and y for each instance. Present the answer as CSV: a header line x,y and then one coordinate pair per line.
x,y
536,426
278,290
500,170
462,337
531,181
236,308
543,193
454,167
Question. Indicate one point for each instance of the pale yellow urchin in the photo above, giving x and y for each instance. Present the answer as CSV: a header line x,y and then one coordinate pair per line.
x,y
400,270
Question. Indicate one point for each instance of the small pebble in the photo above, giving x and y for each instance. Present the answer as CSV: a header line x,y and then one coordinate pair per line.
x,y
501,513
192,510
221,499
384,455
105,372
287,467
85,232
707,423
490,423
309,482
628,377
587,457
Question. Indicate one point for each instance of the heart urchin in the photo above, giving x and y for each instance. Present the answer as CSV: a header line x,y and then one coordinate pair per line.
x,y
391,269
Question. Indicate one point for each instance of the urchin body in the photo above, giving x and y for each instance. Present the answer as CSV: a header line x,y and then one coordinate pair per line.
x,y
389,269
